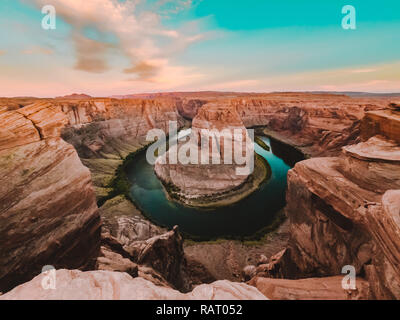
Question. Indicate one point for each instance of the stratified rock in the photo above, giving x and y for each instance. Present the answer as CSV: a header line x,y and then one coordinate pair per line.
x,y
98,127
159,259
316,124
111,261
125,222
47,118
16,130
329,288
106,131
106,285
48,211
342,212
188,108
381,122
212,174
165,255
373,165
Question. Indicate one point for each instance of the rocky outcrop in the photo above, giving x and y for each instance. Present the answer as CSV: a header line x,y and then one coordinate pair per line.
x,y
316,124
111,261
106,131
106,285
48,212
213,169
188,108
382,122
329,288
165,255
32,123
342,212
122,220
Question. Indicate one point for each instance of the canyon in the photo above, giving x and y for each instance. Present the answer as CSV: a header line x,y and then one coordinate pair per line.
x,y
59,158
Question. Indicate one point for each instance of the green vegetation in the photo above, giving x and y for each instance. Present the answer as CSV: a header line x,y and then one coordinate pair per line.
x,y
261,143
120,184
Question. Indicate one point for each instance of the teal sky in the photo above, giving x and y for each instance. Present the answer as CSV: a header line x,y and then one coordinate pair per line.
x,y
106,47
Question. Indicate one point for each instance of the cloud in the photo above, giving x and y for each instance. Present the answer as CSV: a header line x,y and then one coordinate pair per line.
x,y
373,78
143,69
170,77
363,70
140,35
166,7
90,54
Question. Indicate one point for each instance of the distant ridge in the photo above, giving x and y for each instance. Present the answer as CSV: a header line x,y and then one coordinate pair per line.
x,y
75,96
179,94
228,93
358,94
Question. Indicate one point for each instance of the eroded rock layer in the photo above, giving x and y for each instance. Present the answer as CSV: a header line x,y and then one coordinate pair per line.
x,y
48,211
217,134
342,212
328,288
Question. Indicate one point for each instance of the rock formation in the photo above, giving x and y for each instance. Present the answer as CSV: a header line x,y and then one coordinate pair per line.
x,y
106,285
48,212
381,122
164,254
346,211
106,131
214,169
319,125
329,288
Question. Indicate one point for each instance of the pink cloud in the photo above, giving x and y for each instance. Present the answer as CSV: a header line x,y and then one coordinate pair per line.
x,y
138,32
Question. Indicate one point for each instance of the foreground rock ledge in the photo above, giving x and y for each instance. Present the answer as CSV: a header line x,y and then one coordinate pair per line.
x,y
328,288
107,285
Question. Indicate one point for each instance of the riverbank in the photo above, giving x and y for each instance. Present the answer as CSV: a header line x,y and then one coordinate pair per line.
x,y
225,259
242,221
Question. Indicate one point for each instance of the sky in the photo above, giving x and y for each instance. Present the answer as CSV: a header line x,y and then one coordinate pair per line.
x,y
113,47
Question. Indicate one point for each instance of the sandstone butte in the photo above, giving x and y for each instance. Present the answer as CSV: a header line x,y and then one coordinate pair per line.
x,y
199,183
58,155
